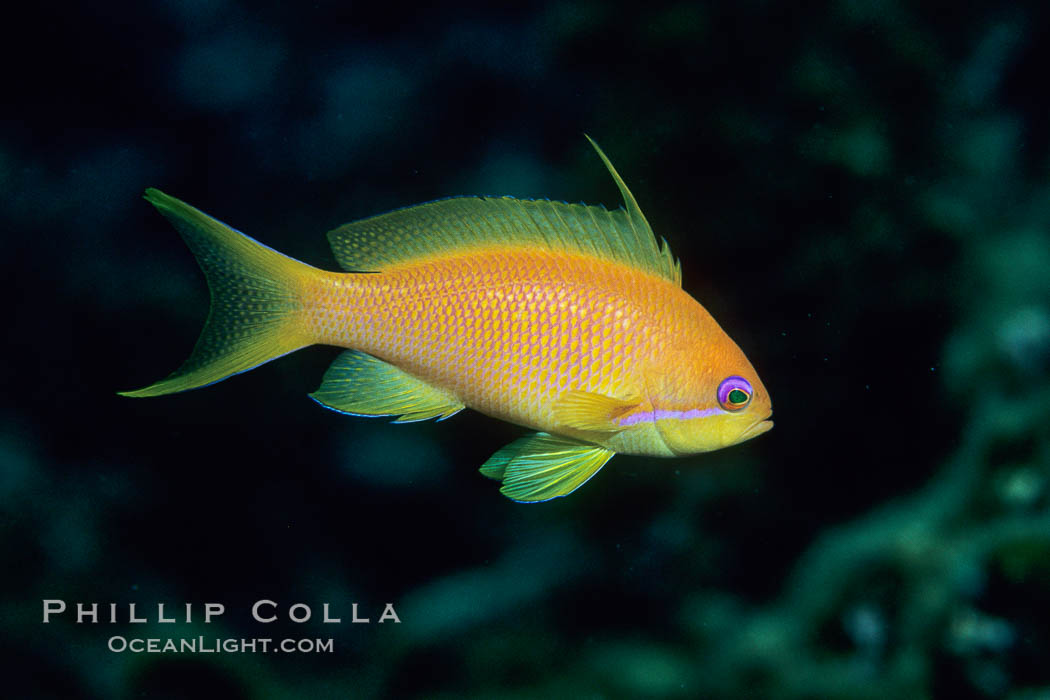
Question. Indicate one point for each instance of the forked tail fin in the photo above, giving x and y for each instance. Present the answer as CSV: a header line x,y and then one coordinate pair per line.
x,y
256,301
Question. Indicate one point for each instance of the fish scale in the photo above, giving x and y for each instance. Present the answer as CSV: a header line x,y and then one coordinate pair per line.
x,y
501,338
564,318
501,333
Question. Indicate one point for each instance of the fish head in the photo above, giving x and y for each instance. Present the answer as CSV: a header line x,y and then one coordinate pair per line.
x,y
719,406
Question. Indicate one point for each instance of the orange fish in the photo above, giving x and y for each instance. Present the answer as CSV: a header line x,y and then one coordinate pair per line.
x,y
567,319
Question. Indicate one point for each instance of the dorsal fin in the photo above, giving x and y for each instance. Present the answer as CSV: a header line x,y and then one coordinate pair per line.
x,y
461,223
634,213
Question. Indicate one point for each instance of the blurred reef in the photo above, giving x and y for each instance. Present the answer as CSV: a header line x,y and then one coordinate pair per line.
x,y
858,191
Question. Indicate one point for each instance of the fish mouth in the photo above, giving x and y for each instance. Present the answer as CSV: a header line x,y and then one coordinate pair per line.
x,y
756,429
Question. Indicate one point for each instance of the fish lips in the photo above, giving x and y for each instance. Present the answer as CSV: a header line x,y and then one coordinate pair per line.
x,y
756,429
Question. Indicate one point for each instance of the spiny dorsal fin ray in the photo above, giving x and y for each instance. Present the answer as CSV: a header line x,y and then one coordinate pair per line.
x,y
634,212
461,223
542,466
363,385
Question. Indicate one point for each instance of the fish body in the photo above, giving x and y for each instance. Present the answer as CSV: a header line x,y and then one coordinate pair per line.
x,y
566,319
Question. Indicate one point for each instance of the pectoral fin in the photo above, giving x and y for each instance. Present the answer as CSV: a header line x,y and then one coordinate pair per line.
x,y
584,410
541,467
363,385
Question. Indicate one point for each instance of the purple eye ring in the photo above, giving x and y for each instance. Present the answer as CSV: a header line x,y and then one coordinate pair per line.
x,y
730,390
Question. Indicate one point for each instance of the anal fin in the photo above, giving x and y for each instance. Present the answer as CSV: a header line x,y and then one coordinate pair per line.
x,y
542,466
363,385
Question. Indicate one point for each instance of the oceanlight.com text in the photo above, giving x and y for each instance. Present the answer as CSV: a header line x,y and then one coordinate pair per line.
x,y
218,645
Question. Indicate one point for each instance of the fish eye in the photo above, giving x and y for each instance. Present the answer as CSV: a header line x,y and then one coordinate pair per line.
x,y
734,393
